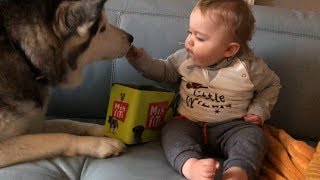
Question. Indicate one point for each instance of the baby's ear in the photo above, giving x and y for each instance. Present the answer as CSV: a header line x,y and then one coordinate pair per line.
x,y
77,16
232,49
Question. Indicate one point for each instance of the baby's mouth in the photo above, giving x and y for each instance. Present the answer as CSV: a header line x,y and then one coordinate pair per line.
x,y
189,51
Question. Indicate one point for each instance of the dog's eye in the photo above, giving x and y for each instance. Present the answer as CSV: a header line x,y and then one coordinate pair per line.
x,y
102,29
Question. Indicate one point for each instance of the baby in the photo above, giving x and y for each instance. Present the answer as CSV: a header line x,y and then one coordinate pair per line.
x,y
226,93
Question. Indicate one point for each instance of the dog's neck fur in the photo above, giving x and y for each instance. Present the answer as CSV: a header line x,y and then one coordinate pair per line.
x,y
35,71
5,37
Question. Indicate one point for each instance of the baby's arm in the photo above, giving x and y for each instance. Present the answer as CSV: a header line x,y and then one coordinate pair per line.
x,y
155,69
267,88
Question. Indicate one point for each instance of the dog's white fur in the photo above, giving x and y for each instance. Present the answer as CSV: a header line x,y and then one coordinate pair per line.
x,y
31,138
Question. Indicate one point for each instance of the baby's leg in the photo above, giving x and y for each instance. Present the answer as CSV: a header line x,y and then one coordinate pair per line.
x,y
181,141
245,147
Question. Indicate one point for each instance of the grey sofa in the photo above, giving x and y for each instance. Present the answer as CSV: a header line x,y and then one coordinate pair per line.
x,y
288,40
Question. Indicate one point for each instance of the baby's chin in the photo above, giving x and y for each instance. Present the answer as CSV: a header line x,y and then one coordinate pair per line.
x,y
197,63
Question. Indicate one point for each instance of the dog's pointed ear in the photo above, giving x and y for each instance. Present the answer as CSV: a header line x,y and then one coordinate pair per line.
x,y
77,16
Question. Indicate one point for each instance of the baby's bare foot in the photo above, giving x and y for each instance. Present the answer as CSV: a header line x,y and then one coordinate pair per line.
x,y
235,173
200,169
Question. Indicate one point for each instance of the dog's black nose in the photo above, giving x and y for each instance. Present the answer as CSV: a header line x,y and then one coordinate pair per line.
x,y
130,38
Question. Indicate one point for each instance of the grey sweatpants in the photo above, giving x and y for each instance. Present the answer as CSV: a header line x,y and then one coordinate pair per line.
x,y
242,143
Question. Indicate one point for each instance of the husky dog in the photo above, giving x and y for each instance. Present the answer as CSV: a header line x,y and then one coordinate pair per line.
x,y
45,43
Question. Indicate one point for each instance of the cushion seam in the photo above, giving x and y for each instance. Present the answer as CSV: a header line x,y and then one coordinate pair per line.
x,y
278,31
260,28
82,168
145,13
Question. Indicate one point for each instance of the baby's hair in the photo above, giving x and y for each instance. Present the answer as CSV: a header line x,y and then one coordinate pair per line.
x,y
235,15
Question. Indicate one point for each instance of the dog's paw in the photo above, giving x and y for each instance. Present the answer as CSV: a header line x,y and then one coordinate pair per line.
x,y
97,147
109,147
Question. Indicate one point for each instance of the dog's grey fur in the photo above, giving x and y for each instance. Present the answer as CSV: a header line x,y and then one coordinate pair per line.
x,y
47,43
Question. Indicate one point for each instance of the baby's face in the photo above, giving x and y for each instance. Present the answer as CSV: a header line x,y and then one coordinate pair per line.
x,y
207,41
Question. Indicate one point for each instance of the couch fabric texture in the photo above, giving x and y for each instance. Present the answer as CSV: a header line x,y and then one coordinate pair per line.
x,y
288,41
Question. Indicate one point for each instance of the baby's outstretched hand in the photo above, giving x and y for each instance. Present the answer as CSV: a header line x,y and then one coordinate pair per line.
x,y
255,119
134,53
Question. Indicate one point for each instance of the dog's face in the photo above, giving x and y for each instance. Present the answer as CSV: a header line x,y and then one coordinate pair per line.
x,y
91,37
59,37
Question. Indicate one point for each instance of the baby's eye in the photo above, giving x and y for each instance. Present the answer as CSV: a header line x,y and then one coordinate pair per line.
x,y
189,32
200,39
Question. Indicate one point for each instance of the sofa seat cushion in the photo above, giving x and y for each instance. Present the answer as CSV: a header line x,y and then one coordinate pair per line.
x,y
48,169
144,161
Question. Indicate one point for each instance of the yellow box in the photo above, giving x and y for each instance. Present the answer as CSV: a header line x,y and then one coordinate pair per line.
x,y
136,114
